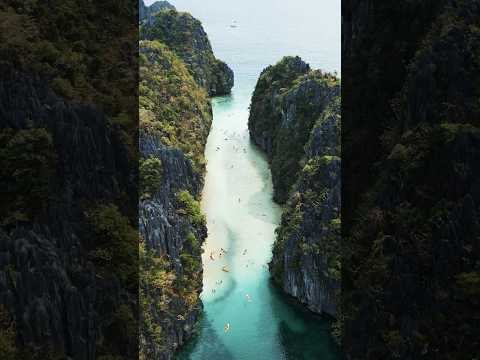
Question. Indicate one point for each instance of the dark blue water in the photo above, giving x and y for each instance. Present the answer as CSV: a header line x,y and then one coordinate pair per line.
x,y
237,199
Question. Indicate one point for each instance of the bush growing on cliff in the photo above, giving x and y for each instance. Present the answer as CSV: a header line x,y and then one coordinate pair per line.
x,y
185,37
155,286
27,166
164,295
287,101
190,207
51,38
115,244
295,118
172,106
150,176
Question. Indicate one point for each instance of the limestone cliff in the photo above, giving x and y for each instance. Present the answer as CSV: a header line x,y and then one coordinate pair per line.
x,y
295,119
178,73
185,36
175,117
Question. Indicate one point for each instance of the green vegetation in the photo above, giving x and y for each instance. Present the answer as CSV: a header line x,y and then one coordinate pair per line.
x,y
156,287
150,176
27,166
295,118
280,87
175,29
85,52
411,184
175,108
190,207
317,191
69,44
115,244
172,106
469,283
184,36
165,295
9,350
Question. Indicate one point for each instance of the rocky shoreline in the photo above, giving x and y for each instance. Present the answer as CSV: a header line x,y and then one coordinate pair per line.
x,y
295,119
178,74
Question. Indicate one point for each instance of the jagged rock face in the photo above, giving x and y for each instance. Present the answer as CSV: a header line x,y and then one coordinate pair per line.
x,y
165,232
47,280
287,100
185,35
177,175
175,119
264,121
306,254
146,13
295,119
50,289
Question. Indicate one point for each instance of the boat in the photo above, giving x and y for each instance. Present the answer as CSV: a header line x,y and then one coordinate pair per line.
x,y
225,269
226,328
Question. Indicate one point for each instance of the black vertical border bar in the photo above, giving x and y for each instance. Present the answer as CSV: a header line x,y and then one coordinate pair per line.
x,y
410,179
69,179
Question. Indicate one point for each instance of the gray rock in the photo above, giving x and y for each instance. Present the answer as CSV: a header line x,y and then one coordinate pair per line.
x,y
47,282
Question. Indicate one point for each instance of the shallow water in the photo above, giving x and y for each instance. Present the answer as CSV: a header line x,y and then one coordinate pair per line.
x,y
237,197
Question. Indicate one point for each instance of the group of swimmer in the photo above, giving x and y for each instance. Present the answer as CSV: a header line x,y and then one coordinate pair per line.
x,y
222,252
236,148
219,282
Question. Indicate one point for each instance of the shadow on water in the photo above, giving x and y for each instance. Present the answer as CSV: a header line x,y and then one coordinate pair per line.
x,y
257,201
218,100
310,338
206,342
231,285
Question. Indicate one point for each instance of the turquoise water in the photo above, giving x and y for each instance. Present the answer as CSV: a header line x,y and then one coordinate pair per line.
x,y
237,199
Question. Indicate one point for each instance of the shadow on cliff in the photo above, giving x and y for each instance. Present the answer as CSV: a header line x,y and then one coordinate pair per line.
x,y
308,339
